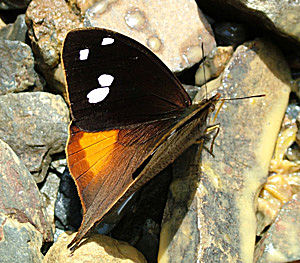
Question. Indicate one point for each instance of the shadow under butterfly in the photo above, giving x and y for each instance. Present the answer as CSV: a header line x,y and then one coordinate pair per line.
x,y
131,118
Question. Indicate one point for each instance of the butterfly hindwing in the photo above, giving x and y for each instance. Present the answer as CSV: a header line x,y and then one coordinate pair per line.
x,y
115,82
102,164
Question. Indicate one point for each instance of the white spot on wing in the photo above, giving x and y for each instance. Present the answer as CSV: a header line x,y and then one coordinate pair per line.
x,y
83,54
107,41
97,95
105,80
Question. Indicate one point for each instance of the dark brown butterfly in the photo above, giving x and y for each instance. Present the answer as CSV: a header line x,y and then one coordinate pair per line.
x,y
131,118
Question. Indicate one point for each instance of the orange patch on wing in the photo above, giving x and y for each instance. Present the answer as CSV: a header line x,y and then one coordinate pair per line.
x,y
88,153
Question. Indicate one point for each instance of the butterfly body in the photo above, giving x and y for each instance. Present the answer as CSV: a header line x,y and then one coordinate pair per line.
x,y
131,118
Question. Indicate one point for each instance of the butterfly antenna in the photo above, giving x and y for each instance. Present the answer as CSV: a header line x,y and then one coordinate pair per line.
x,y
247,97
203,58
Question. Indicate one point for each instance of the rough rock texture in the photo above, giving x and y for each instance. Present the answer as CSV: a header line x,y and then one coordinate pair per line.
x,y
16,67
19,196
49,194
281,16
175,39
19,242
210,216
48,22
68,208
282,241
98,249
15,31
14,4
35,125
213,65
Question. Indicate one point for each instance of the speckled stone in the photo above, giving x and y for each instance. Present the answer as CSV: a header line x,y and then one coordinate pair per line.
x,y
16,67
98,249
281,243
19,242
19,196
35,125
15,31
48,22
174,30
210,215
280,16
213,64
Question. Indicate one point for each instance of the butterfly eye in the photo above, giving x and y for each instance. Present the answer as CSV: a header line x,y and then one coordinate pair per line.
x,y
83,54
107,41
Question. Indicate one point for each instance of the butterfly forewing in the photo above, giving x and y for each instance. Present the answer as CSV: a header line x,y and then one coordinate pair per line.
x,y
115,82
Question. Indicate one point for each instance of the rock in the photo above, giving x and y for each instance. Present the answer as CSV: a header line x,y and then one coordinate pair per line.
x,y
97,249
2,24
48,22
19,196
35,125
281,243
280,16
17,67
162,26
229,33
67,206
284,178
19,242
210,215
14,4
15,31
49,192
213,64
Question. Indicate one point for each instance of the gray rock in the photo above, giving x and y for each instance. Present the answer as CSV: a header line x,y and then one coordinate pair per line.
x,y
35,125
14,4
19,242
280,16
173,30
210,215
19,196
47,36
281,243
15,31
16,67
49,192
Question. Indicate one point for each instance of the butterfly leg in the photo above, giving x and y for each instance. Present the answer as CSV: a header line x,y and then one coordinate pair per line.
x,y
209,129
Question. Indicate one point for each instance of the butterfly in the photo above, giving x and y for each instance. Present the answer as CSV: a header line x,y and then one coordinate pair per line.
x,y
131,117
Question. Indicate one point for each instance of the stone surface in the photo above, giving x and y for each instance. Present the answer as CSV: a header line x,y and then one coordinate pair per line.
x,y
35,125
280,16
49,192
284,177
213,64
15,31
19,196
16,67
14,4
281,243
230,33
2,24
97,249
19,242
174,30
48,22
210,216
67,206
